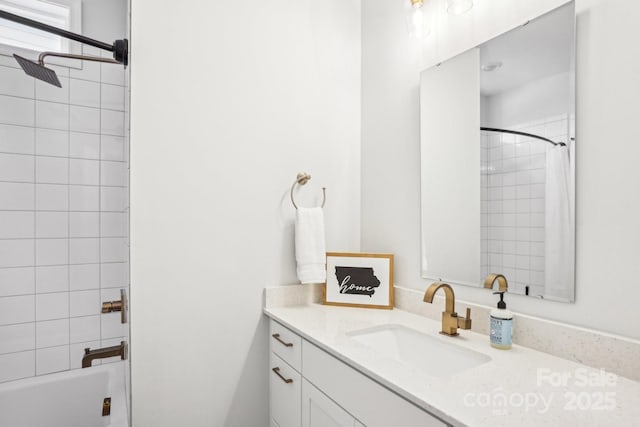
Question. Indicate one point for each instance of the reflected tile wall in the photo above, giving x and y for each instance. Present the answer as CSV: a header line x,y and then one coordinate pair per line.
x,y
513,203
63,215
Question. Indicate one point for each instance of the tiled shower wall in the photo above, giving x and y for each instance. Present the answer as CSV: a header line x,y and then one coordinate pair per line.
x,y
513,203
63,215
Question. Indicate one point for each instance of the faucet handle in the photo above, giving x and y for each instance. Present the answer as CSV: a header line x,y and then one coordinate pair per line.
x,y
465,322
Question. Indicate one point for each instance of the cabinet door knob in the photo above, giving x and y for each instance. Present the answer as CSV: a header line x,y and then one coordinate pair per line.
x,y
277,371
286,344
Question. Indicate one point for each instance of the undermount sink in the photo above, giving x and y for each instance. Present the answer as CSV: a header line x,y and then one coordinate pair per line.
x,y
428,354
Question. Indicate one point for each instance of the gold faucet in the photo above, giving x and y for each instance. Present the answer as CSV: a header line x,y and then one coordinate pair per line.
x,y
492,278
102,353
450,320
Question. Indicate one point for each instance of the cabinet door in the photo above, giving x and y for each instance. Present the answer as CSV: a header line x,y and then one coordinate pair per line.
x,y
320,411
284,392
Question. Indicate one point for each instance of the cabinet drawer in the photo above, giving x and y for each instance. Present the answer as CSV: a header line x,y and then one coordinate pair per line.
x,y
285,388
286,344
365,399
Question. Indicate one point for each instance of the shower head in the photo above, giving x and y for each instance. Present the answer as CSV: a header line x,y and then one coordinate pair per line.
x,y
38,70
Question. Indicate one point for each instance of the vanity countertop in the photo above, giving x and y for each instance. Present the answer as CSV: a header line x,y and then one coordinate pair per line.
x,y
541,389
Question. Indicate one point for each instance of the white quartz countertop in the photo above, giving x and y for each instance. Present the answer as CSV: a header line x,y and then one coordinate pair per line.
x,y
518,387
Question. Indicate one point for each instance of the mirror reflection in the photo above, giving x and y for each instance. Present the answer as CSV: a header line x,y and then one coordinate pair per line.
x,y
500,118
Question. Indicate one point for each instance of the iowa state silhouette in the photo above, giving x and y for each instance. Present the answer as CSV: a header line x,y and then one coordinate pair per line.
x,y
357,280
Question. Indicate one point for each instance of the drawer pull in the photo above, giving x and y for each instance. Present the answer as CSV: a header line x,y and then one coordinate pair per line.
x,y
277,371
286,344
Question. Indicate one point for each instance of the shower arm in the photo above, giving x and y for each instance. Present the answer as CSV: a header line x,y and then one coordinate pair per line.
x,y
72,56
120,48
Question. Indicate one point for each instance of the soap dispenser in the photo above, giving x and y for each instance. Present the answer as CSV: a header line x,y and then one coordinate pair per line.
x,y
501,325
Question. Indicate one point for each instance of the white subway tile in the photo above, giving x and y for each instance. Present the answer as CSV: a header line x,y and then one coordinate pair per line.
x,y
537,205
52,279
523,234
84,198
52,170
51,251
17,309
111,325
16,196
113,224
89,71
522,262
509,260
14,83
16,167
85,119
84,224
84,251
85,93
16,111
537,263
113,199
113,249
538,176
85,328
537,219
18,337
14,366
53,359
115,275
17,281
509,219
84,303
50,142
523,219
113,173
537,191
52,333
537,278
52,306
112,97
537,234
537,248
47,92
16,139
16,253
84,145
52,224
112,147
52,115
509,233
509,247
523,276
84,276
523,177
112,123
84,172
16,225
113,74
52,197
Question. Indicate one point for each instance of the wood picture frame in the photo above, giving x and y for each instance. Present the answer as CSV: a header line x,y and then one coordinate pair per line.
x,y
359,280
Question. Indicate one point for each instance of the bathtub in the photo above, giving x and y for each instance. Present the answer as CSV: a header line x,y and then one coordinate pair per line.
x,y
66,399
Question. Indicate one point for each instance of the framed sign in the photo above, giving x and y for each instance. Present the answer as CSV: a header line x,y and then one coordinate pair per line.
x,y
359,280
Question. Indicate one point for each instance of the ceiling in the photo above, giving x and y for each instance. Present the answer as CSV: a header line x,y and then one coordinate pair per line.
x,y
541,48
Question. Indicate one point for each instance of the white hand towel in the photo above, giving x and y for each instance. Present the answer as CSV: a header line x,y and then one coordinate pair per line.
x,y
310,248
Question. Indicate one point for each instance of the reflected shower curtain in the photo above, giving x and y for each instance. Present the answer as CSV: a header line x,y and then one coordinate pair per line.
x,y
559,224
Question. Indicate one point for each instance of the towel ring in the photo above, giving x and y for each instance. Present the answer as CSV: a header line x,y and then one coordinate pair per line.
x,y
302,178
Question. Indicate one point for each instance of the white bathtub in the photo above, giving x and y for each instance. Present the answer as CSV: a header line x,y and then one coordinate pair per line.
x,y
66,399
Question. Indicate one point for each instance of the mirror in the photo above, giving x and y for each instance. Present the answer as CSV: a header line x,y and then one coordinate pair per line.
x,y
497,161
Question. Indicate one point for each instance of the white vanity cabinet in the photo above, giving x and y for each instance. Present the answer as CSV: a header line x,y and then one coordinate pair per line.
x,y
311,388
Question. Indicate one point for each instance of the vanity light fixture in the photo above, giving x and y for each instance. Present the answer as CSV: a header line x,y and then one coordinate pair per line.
x,y
417,24
458,7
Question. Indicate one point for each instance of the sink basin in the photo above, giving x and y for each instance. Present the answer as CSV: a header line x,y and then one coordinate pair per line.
x,y
428,354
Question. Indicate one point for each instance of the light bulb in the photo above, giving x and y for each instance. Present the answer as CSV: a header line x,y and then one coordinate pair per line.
x,y
458,7
417,25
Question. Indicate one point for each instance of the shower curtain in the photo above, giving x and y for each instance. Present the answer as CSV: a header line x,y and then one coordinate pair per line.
x,y
559,223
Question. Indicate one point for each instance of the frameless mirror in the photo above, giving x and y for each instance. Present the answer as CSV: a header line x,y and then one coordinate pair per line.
x,y
497,153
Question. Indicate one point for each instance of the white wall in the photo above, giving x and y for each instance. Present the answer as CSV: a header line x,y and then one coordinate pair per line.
x,y
230,100
608,203
547,97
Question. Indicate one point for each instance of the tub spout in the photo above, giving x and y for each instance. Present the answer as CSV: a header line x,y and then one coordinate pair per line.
x,y
102,353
